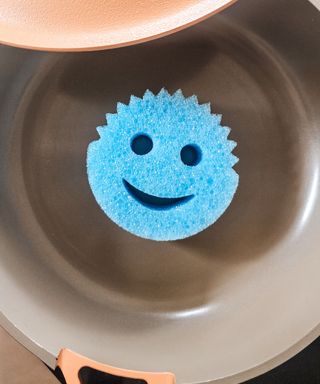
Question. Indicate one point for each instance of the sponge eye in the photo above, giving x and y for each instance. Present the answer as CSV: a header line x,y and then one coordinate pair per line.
x,y
191,155
141,144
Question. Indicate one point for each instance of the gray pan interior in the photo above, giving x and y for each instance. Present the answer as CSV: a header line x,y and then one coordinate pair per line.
x,y
222,306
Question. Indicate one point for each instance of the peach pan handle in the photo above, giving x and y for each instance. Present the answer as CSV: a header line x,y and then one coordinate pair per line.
x,y
70,364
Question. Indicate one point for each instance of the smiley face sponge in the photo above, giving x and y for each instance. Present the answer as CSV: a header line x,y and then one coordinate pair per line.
x,y
162,168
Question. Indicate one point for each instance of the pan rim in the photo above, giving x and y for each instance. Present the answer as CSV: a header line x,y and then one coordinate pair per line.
x,y
248,374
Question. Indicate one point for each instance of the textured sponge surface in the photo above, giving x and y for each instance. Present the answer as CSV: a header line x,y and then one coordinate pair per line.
x,y
162,168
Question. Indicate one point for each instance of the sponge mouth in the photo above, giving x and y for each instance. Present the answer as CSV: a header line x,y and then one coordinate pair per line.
x,y
155,202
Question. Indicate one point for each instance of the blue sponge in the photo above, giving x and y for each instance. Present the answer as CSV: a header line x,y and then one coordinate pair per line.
x,y
162,168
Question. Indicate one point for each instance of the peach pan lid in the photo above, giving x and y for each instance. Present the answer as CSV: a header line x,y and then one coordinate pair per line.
x,y
82,25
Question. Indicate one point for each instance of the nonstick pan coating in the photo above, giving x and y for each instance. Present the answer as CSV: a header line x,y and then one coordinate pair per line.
x,y
222,306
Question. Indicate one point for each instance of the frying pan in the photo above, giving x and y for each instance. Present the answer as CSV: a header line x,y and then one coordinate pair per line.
x,y
219,307
77,25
